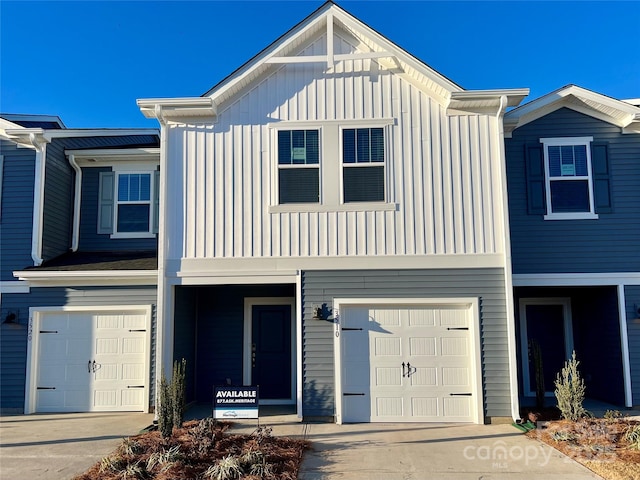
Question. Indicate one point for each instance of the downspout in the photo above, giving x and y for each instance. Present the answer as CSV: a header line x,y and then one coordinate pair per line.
x,y
75,236
38,197
508,275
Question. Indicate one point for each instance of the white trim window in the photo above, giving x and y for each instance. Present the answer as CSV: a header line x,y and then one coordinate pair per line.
x,y
569,181
363,162
128,204
298,166
133,202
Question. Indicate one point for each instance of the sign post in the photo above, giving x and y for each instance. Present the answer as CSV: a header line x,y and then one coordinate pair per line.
x,y
235,402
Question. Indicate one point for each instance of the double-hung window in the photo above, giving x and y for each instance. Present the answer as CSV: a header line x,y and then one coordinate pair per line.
x,y
128,203
133,203
569,184
363,160
298,166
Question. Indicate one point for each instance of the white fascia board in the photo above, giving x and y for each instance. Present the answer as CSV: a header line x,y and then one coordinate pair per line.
x,y
514,95
575,279
88,277
184,107
559,98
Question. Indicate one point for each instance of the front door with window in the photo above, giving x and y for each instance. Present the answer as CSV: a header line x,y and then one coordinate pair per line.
x,y
271,351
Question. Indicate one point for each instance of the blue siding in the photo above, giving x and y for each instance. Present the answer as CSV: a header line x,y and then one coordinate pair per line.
x,y
90,240
321,287
58,202
608,244
13,337
16,222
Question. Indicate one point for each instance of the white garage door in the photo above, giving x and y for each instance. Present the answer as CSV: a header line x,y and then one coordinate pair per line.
x,y
88,361
407,364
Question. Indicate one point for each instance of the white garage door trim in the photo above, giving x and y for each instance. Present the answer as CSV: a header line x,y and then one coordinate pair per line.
x,y
36,314
472,304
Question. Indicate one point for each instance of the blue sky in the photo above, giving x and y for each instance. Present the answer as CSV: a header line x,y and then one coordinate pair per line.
x,y
88,61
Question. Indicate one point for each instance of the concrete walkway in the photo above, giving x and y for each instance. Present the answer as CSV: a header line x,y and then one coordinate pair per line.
x,y
423,451
57,447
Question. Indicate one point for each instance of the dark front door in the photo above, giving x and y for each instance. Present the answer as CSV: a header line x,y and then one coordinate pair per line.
x,y
545,324
271,351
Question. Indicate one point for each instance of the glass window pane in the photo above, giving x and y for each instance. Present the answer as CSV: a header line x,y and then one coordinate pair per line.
x,y
364,184
313,147
134,187
133,218
570,196
349,146
580,156
284,147
363,147
377,145
554,161
123,188
298,185
145,187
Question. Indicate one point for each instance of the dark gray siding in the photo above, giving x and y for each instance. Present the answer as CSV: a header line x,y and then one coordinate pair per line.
x,y
13,338
608,244
632,296
323,286
58,202
16,218
58,213
90,240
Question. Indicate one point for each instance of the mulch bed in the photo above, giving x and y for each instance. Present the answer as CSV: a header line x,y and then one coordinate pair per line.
x,y
597,443
196,447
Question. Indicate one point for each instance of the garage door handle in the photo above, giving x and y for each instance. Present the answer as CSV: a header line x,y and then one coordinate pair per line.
x,y
457,328
347,329
89,366
461,394
46,388
135,386
353,394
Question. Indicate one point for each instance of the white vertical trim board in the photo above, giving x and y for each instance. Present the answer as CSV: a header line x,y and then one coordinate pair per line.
x,y
473,307
249,302
299,343
624,344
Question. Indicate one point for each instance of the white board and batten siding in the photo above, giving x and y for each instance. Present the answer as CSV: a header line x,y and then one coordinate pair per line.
x,y
89,359
443,181
408,361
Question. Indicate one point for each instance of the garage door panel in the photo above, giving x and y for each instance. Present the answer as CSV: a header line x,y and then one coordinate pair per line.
x,y
388,376
424,407
92,362
425,346
419,361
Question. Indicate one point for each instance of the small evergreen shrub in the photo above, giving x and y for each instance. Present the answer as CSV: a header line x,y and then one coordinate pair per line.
x,y
570,390
165,407
178,388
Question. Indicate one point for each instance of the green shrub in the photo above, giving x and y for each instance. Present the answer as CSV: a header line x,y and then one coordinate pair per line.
x,y
171,400
570,390
178,388
632,435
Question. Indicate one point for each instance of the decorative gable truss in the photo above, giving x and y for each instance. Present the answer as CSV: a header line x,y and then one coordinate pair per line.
x,y
332,141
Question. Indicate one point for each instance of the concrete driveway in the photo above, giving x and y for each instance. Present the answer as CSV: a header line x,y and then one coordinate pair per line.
x,y
59,446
